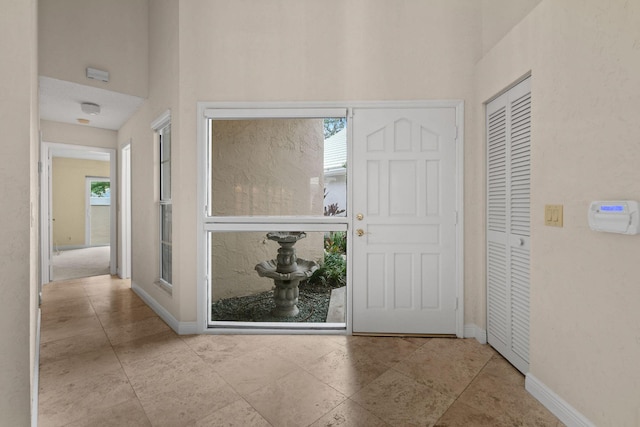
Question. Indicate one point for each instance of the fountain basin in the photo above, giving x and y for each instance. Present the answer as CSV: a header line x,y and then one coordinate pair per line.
x,y
303,271
286,236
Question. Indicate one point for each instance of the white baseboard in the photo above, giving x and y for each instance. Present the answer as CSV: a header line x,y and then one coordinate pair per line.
x,y
181,328
473,331
554,403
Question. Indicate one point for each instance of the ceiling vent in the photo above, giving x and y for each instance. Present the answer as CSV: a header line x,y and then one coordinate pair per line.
x,y
95,74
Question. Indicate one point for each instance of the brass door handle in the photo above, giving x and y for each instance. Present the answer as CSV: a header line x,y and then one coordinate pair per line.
x,y
360,232
359,217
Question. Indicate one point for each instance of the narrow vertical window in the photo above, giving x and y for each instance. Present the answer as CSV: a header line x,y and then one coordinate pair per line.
x,y
162,128
165,203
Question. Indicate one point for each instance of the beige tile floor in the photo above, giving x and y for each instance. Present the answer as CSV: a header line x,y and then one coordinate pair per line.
x,y
107,360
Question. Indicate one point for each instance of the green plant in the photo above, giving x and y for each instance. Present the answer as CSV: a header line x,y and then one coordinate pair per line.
x,y
99,188
336,242
332,272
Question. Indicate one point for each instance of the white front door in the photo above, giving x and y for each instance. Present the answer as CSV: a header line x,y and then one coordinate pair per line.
x,y
405,271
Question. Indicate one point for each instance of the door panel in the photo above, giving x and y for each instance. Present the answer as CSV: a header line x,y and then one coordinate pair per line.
x,y
508,223
404,172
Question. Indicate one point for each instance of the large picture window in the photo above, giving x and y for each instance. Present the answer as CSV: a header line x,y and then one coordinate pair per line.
x,y
275,176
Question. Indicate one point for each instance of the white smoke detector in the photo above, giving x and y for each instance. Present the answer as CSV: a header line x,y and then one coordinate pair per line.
x,y
90,108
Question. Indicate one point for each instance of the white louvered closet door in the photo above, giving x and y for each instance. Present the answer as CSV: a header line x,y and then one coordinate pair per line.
x,y
508,223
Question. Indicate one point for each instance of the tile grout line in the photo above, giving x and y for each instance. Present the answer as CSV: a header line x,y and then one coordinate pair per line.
x,y
74,337
124,372
228,384
465,389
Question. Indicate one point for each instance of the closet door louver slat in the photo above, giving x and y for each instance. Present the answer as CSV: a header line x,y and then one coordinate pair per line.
x,y
508,223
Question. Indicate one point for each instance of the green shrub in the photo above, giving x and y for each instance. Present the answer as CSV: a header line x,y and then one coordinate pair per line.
x,y
332,272
336,242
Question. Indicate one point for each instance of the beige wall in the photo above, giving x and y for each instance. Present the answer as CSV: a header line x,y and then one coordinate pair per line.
x,y
333,50
499,17
68,187
584,57
19,214
65,133
163,95
108,35
282,174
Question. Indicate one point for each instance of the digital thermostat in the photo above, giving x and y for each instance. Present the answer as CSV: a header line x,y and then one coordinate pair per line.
x,y
618,216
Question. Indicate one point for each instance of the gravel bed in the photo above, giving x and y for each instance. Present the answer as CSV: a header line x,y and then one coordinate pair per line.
x,y
313,303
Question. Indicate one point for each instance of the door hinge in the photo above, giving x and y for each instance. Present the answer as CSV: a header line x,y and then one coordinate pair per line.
x,y
455,217
455,131
456,303
39,167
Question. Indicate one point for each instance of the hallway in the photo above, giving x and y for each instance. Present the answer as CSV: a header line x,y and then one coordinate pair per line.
x,y
107,359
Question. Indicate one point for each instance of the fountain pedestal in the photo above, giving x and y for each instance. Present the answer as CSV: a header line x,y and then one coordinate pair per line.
x,y
287,270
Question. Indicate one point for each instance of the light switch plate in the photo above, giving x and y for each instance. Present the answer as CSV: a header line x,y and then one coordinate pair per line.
x,y
553,215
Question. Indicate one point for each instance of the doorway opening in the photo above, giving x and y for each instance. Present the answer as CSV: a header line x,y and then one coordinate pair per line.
x,y
78,215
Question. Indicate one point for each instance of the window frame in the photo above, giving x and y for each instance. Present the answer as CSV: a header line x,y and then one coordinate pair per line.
x,y
162,127
209,223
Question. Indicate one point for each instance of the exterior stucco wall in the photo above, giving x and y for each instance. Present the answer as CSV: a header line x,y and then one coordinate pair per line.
x,y
267,167
262,167
235,255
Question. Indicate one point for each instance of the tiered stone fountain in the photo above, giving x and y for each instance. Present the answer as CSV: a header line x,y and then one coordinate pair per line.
x,y
287,270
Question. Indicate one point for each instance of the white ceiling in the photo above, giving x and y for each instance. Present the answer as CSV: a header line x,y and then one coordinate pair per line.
x,y
60,102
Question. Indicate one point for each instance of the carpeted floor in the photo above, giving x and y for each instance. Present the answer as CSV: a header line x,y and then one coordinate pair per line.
x,y
80,263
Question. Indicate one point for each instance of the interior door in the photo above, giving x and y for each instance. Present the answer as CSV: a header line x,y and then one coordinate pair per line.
x,y
508,223
404,229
